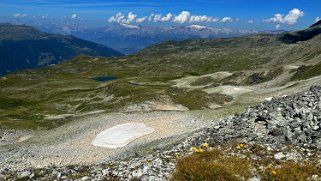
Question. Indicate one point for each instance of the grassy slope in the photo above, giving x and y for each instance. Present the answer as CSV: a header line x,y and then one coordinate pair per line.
x,y
27,97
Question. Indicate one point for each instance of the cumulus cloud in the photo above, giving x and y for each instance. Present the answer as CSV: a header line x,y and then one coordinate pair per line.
x,y
168,17
183,17
317,19
131,17
227,19
157,17
160,17
150,17
203,18
121,18
74,16
251,21
140,20
186,17
20,15
291,18
118,18
278,26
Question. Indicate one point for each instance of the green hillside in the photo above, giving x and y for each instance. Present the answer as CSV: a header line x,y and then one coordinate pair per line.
x,y
24,47
196,74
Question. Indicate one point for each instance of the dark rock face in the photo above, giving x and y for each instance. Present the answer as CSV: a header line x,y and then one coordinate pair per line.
x,y
302,35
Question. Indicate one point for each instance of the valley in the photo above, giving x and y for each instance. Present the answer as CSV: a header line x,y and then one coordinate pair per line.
x,y
174,74
186,91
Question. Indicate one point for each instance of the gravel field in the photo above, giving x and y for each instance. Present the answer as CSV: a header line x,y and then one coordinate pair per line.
x,y
71,143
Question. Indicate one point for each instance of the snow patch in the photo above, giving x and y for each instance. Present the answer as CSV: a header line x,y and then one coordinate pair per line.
x,y
120,135
198,27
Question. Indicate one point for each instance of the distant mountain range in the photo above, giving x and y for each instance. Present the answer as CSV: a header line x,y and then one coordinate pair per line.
x,y
24,47
193,73
129,39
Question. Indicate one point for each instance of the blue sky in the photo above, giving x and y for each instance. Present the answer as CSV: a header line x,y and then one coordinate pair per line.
x,y
238,14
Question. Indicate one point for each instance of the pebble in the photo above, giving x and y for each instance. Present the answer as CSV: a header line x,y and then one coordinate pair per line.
x,y
85,178
279,156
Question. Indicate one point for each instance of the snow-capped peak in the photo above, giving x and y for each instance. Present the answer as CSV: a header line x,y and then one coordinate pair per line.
x,y
129,26
198,27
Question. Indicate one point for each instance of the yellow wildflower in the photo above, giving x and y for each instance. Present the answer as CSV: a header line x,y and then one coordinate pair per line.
x,y
241,145
205,145
200,150
270,166
273,172
194,149
177,156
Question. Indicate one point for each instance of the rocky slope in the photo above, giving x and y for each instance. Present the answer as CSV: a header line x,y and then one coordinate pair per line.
x,y
289,120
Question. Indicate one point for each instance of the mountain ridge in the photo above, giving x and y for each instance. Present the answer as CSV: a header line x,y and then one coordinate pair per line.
x,y
37,48
131,38
302,35
194,74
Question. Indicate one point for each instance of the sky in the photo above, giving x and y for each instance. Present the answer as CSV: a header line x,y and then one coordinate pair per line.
x,y
235,14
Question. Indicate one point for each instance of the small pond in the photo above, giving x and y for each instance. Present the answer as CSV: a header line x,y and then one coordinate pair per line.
x,y
104,78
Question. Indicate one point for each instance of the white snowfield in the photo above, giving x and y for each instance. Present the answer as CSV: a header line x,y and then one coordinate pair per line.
x,y
120,135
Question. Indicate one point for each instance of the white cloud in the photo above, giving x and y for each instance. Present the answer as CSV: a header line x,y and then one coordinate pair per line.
x,y
118,18
317,19
227,19
251,21
184,17
74,16
291,18
150,17
157,17
168,17
121,18
20,15
131,17
160,18
203,18
140,20
278,26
